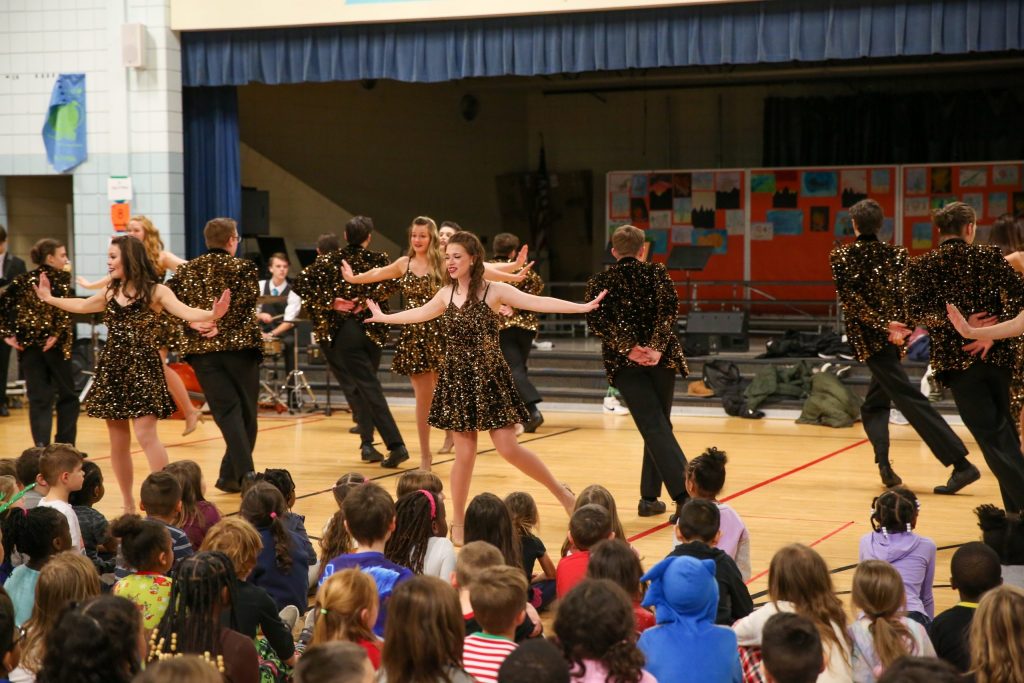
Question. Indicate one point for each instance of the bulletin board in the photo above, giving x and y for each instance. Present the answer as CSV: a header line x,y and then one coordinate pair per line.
x,y
992,189
685,207
798,214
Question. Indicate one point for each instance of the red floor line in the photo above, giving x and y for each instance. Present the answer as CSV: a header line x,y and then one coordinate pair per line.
x,y
824,538
770,480
300,421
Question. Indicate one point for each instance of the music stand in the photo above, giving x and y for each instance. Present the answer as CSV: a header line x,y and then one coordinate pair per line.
x,y
689,259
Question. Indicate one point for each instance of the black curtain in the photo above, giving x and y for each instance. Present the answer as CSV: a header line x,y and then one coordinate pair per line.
x,y
894,128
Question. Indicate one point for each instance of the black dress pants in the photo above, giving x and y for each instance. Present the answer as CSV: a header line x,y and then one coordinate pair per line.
x,y
349,389
231,384
648,393
5,366
982,395
516,344
890,385
48,377
358,358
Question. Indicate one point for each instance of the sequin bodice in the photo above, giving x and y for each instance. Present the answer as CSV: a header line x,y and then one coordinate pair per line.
x,y
471,331
416,289
132,325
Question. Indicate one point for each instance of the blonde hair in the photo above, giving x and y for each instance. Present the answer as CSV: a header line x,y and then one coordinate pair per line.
x,y
414,480
8,487
191,668
597,495
878,592
151,240
435,259
238,539
475,557
997,625
627,240
67,577
340,603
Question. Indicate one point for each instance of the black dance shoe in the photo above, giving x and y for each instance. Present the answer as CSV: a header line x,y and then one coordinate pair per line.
x,y
227,486
958,480
396,456
370,454
536,420
650,508
889,478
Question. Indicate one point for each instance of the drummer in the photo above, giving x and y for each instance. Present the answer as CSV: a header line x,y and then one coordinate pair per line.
x,y
277,317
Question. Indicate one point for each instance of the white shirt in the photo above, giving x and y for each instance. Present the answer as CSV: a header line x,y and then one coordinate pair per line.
x,y
69,512
294,304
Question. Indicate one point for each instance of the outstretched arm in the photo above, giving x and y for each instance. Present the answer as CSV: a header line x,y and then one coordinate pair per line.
x,y
98,284
165,297
427,311
500,272
94,304
1010,328
169,261
508,294
393,270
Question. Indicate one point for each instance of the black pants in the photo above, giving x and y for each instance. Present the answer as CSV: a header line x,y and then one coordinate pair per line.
x,y
349,389
982,395
516,344
890,385
231,384
5,366
48,376
648,392
358,358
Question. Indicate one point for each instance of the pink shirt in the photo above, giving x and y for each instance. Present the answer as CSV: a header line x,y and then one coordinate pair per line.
x,y
597,673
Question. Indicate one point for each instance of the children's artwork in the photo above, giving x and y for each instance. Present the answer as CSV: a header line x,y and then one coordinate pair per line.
x,y
1005,175
915,206
973,176
921,236
638,211
735,221
1018,203
849,198
658,239
728,200
620,205
661,220
682,208
784,198
939,202
660,190
681,184
639,187
975,200
786,222
818,184
703,200
855,180
727,181
916,181
761,231
843,226
719,239
819,219
703,181
886,233
881,180
942,179
762,183
703,218
997,204
620,182
682,234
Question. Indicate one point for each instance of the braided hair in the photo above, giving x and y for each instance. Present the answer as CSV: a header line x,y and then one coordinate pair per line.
x,y
96,641
264,507
191,624
414,517
33,532
281,479
895,511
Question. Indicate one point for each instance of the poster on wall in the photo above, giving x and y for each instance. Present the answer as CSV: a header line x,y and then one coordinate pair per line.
x,y
991,189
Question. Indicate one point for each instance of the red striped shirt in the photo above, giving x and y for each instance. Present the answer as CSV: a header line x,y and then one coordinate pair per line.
x,y
482,655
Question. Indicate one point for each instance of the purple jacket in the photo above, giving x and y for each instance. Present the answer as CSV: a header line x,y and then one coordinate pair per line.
x,y
913,557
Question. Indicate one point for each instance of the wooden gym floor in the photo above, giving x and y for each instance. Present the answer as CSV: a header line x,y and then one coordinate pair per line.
x,y
789,482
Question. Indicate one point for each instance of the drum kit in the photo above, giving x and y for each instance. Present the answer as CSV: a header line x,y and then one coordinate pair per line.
x,y
294,394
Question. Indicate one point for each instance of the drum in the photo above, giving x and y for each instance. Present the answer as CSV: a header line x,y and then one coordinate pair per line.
x,y
272,347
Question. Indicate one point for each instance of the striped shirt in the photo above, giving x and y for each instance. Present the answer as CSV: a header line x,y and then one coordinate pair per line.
x,y
482,655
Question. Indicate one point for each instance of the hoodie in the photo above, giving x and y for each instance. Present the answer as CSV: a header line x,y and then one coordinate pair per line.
x,y
686,646
734,600
913,557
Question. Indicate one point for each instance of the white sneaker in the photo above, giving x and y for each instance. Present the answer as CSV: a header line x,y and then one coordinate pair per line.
x,y
613,406
896,417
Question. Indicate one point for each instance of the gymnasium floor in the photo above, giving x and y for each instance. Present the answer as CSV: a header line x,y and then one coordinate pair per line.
x,y
789,482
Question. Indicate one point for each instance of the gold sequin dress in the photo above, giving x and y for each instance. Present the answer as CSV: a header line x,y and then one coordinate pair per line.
x,y
419,347
475,391
129,378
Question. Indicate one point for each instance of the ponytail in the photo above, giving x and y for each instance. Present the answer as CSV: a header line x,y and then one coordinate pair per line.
x,y
891,637
43,249
264,507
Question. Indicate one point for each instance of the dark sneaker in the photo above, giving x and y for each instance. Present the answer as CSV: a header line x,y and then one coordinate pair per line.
x,y
395,457
958,480
370,454
889,478
650,508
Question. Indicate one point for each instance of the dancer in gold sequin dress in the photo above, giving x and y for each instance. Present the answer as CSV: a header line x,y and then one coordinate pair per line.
x,y
1008,234
475,391
129,381
141,228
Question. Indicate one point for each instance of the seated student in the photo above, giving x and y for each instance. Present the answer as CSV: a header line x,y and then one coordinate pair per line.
x,y
346,609
60,466
95,640
160,499
497,600
10,640
100,546
698,531
336,539
146,548
27,473
414,480
613,559
419,542
40,533
473,559
705,478
190,668
791,650
370,518
282,565
997,637
686,646
588,525
334,662
281,479
921,670
974,571
1004,533
535,661
197,514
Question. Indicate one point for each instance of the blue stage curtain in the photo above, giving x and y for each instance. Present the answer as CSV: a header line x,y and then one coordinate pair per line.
x,y
696,35
213,168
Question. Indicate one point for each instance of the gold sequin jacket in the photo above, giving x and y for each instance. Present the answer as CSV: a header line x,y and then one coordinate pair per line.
x,y
869,280
531,284
24,316
200,281
975,278
640,309
322,282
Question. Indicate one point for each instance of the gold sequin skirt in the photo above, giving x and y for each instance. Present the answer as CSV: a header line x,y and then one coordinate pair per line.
x,y
129,383
418,349
476,396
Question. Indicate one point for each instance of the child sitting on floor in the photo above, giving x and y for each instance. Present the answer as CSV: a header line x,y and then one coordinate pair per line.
x,y
705,478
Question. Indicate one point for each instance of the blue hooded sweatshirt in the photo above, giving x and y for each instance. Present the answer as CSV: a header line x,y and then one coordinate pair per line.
x,y
686,645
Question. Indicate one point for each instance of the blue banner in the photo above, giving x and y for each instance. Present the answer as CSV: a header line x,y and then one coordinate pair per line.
x,y
64,131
